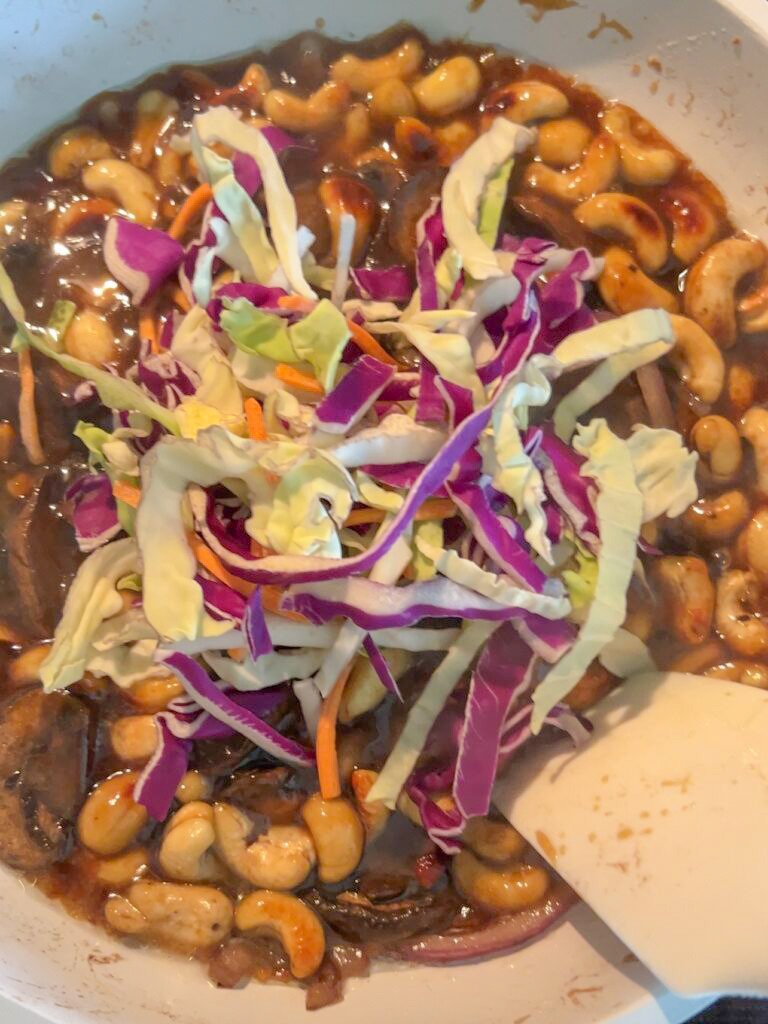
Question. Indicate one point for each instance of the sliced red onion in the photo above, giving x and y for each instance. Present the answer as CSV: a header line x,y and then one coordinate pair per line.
x,y
199,685
385,284
500,935
94,515
381,666
158,782
140,258
354,395
255,627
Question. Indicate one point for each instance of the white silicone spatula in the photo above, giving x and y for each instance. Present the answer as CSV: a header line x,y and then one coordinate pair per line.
x,y
660,824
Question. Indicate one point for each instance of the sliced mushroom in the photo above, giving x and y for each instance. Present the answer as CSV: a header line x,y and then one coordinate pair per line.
x,y
271,792
43,757
551,219
407,207
358,919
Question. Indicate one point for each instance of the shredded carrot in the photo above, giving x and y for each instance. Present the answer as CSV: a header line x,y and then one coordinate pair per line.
x,y
368,344
28,426
254,417
79,211
130,494
296,379
148,330
296,302
190,209
325,743
181,300
433,508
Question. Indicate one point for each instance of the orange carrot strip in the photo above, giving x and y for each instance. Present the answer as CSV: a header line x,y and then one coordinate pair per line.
x,y
296,379
181,300
78,211
433,508
368,344
297,303
190,209
325,743
130,494
254,417
211,561
28,426
148,330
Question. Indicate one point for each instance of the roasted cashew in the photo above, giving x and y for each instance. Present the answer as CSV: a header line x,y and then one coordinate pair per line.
x,y
364,690
697,659
290,920
717,441
186,918
110,818
134,737
256,83
414,140
451,87
742,387
754,427
615,213
89,337
194,786
168,167
280,858
131,188
118,872
338,836
155,113
748,673
341,195
186,852
392,99
624,287
498,889
362,76
315,113
718,518
12,216
755,541
687,596
74,149
712,281
562,143
494,841
25,668
695,222
524,102
375,814
753,307
452,140
596,173
641,163
357,129
737,615
155,693
697,359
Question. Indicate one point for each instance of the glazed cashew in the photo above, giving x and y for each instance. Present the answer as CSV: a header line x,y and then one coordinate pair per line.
x,y
748,673
687,595
698,658
451,87
186,850
364,690
498,889
291,921
155,113
131,188
194,786
280,858
134,737
375,814
318,112
695,222
615,213
596,173
524,102
562,143
186,918
362,76
755,540
753,307
697,359
641,163
90,338
155,693
494,841
25,668
118,872
110,819
754,427
357,129
624,287
76,148
414,140
717,441
741,388
338,836
711,285
452,140
341,195
392,99
736,613
714,519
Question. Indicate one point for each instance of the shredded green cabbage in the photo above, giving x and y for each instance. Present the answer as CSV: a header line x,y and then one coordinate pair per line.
x,y
665,471
320,339
257,332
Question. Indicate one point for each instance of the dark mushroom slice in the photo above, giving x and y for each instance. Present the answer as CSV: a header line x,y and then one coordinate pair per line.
x,y
339,195
311,213
43,768
408,205
551,220
360,920
271,792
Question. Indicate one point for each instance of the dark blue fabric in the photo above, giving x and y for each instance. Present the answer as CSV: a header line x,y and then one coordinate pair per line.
x,y
735,1011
